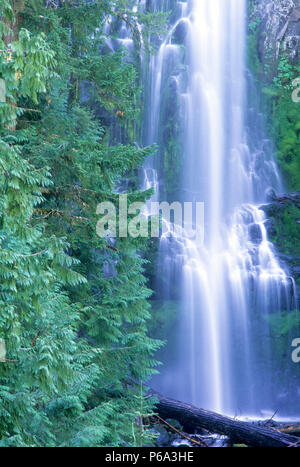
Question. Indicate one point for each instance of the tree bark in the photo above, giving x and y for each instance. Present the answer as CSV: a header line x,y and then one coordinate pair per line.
x,y
291,430
193,419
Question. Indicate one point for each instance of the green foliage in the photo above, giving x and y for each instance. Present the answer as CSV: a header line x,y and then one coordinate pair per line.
x,y
165,318
252,45
74,310
285,120
275,75
283,115
287,229
284,327
284,324
38,323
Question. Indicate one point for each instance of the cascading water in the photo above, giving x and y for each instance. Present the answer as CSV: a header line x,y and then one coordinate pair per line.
x,y
220,354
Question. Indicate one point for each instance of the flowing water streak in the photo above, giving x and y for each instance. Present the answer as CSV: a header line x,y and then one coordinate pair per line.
x,y
222,358
219,355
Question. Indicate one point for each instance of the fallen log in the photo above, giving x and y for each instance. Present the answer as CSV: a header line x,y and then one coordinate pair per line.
x,y
291,430
193,418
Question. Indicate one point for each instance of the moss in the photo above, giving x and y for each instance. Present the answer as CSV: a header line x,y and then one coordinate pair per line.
x,y
284,327
170,134
283,121
173,158
282,113
286,234
283,118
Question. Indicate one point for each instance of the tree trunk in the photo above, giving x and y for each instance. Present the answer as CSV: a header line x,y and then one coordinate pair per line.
x,y
291,430
192,419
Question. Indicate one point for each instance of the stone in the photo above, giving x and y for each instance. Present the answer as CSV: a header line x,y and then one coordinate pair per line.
x,y
180,33
271,195
255,233
280,23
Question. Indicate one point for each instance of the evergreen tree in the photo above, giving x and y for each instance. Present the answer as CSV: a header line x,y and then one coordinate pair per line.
x,y
74,310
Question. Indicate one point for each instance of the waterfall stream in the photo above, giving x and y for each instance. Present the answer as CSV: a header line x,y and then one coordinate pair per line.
x,y
220,357
201,112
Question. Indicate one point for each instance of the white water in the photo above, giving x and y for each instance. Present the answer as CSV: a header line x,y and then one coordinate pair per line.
x,y
222,358
219,354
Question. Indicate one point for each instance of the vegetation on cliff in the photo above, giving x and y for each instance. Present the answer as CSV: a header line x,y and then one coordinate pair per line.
x,y
276,73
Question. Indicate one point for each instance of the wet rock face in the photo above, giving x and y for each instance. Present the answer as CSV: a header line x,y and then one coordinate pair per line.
x,y
280,25
180,33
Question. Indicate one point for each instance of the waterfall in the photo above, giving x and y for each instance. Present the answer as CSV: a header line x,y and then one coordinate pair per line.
x,y
219,355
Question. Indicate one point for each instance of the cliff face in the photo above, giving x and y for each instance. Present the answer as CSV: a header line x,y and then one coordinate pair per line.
x,y
283,225
280,25
278,34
